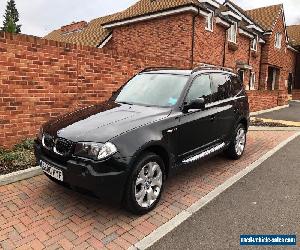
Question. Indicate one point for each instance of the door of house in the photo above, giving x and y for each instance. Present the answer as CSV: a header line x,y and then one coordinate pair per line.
x,y
241,75
272,74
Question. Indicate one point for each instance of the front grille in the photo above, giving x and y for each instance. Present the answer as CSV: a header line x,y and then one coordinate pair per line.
x,y
59,146
63,147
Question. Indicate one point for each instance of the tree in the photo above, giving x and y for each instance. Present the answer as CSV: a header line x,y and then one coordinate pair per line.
x,y
11,26
11,18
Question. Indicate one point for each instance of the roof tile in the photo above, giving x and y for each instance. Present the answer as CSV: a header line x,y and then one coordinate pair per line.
x,y
91,35
266,16
294,34
144,7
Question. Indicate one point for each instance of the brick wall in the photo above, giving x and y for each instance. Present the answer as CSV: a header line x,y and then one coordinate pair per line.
x,y
296,94
41,79
297,73
208,46
170,37
271,99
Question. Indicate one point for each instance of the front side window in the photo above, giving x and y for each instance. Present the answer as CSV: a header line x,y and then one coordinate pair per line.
x,y
150,89
278,39
201,88
209,21
221,87
254,44
232,32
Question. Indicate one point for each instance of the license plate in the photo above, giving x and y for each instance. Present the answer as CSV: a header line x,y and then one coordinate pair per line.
x,y
52,171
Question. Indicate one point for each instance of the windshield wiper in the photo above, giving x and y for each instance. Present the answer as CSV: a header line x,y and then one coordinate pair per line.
x,y
128,103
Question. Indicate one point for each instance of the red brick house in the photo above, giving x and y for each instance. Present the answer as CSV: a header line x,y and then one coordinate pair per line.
x,y
189,32
294,35
278,57
254,43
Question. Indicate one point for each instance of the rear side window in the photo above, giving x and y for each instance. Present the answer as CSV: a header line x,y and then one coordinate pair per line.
x,y
201,87
221,87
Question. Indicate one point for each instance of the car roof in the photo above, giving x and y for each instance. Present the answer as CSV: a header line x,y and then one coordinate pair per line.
x,y
184,72
169,71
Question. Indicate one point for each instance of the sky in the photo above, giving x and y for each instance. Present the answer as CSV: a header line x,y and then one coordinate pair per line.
x,y
39,17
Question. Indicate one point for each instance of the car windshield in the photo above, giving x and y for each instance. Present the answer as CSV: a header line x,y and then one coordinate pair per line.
x,y
161,90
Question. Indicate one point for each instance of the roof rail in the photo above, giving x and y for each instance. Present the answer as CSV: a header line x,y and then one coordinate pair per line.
x,y
204,66
157,68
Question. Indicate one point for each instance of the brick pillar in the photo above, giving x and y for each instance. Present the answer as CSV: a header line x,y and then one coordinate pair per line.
x,y
279,80
283,80
283,98
263,77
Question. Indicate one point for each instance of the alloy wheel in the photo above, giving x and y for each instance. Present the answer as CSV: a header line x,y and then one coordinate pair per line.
x,y
148,184
240,141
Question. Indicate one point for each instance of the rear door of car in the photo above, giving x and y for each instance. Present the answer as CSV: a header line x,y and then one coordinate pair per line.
x,y
223,105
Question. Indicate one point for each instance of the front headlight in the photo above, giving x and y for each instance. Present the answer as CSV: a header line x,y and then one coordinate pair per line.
x,y
95,151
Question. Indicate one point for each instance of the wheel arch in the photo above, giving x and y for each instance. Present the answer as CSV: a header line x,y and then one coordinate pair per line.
x,y
157,149
243,121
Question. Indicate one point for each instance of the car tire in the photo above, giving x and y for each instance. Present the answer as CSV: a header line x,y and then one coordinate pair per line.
x,y
145,184
237,145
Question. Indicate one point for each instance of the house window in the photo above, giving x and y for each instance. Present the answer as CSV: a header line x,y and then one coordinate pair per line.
x,y
209,22
252,81
232,33
254,43
278,39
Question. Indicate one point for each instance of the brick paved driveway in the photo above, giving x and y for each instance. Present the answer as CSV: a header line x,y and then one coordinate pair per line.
x,y
37,214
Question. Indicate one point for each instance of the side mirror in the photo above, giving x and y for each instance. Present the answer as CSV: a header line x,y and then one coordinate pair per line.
x,y
198,103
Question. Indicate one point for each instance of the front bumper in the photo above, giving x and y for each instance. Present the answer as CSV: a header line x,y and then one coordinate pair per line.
x,y
105,179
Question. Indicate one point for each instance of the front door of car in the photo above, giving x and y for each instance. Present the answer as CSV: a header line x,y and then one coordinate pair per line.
x,y
195,128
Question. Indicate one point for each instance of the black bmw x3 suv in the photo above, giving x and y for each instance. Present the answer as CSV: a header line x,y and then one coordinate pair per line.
x,y
159,121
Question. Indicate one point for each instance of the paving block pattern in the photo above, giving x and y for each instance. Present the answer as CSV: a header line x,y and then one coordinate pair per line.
x,y
39,214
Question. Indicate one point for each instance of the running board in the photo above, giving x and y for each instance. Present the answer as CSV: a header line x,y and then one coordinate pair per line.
x,y
204,154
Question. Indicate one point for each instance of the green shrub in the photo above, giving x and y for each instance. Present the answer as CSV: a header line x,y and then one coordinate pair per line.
x,y
26,144
2,151
20,156
9,156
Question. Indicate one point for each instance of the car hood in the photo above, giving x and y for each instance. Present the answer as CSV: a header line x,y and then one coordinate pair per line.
x,y
101,123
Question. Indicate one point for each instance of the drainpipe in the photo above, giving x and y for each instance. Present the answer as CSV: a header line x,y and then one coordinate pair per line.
x,y
225,43
250,71
297,74
260,67
193,39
